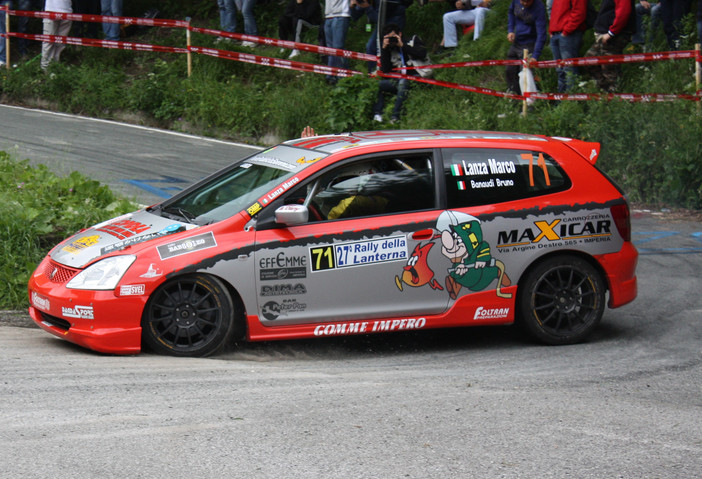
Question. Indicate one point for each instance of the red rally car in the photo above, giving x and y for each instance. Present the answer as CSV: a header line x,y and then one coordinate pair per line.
x,y
355,233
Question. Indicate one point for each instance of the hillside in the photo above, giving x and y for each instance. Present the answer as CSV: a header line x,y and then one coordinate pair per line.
x,y
651,149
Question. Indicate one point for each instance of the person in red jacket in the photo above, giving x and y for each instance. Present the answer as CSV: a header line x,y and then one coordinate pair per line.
x,y
615,24
566,28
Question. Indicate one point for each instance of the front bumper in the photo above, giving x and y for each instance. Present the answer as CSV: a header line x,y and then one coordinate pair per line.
x,y
97,320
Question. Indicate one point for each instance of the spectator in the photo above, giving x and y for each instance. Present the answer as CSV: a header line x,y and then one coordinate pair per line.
x,y
337,17
526,30
111,8
613,28
86,7
394,13
566,27
699,21
22,23
468,12
298,13
3,53
642,9
396,51
52,51
227,17
672,12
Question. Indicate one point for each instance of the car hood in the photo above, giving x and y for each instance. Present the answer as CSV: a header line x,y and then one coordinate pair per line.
x,y
114,235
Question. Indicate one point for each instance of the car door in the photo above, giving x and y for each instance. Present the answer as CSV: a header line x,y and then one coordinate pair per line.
x,y
365,251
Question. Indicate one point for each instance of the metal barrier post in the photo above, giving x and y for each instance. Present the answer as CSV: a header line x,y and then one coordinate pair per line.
x,y
698,76
525,67
187,44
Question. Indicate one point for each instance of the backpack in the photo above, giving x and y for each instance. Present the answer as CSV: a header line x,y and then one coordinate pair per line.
x,y
422,72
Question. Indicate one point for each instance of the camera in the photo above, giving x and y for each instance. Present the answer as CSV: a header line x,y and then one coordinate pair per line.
x,y
392,41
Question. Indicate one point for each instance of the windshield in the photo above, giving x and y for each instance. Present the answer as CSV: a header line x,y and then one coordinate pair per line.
x,y
238,187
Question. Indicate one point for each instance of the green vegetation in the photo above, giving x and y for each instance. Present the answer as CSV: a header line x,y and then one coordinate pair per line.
x,y
37,210
652,150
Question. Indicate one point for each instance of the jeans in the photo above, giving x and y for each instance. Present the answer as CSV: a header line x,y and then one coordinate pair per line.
x,y
672,12
564,47
227,15
3,54
463,17
335,30
392,86
640,36
111,8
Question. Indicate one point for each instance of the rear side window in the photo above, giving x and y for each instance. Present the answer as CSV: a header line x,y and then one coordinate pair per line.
x,y
480,176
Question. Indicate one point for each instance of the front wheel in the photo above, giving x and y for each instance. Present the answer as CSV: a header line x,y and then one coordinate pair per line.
x,y
561,300
189,316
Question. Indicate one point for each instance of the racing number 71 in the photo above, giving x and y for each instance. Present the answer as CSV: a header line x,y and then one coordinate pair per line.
x,y
322,258
541,162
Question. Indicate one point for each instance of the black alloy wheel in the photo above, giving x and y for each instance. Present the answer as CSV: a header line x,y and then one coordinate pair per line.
x,y
189,316
561,300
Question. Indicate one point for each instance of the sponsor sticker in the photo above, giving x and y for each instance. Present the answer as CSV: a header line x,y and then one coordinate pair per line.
x,y
187,245
272,310
153,271
124,228
490,313
80,312
132,290
283,289
358,253
40,302
81,243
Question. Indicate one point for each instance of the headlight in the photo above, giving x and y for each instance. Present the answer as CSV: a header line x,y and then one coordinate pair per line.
x,y
103,275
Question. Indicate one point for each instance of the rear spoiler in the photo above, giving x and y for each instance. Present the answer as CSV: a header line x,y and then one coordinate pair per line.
x,y
590,150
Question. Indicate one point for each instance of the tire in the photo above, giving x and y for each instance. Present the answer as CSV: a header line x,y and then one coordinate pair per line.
x,y
561,300
189,316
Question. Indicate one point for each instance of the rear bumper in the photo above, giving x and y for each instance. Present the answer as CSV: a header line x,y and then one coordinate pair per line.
x,y
620,269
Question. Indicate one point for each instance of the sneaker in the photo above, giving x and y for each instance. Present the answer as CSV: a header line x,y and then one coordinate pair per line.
x,y
378,118
294,53
248,44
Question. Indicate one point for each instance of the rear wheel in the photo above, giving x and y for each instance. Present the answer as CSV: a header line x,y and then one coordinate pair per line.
x,y
189,316
562,300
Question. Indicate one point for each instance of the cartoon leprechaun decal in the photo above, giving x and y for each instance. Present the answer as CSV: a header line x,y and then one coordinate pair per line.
x,y
473,265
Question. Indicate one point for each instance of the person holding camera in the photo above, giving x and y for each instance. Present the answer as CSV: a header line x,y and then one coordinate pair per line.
x,y
396,53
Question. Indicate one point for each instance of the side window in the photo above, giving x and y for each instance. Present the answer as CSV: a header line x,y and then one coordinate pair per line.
x,y
375,186
479,176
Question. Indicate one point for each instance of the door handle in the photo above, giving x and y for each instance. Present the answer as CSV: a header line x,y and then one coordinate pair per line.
x,y
423,235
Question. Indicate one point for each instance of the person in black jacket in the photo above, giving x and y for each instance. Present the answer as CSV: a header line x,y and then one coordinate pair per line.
x,y
396,52
298,13
614,25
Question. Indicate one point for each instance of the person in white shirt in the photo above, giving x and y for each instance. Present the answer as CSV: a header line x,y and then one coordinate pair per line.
x,y
52,51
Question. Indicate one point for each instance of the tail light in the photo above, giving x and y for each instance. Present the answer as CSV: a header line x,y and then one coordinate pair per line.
x,y
622,219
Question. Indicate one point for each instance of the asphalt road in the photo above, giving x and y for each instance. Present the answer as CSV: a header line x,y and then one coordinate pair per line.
x,y
481,402
140,162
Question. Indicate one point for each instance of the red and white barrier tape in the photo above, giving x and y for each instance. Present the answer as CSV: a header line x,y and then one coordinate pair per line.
x,y
632,97
91,42
78,17
287,44
274,62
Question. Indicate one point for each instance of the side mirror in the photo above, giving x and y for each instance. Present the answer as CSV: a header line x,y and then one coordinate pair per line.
x,y
292,215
